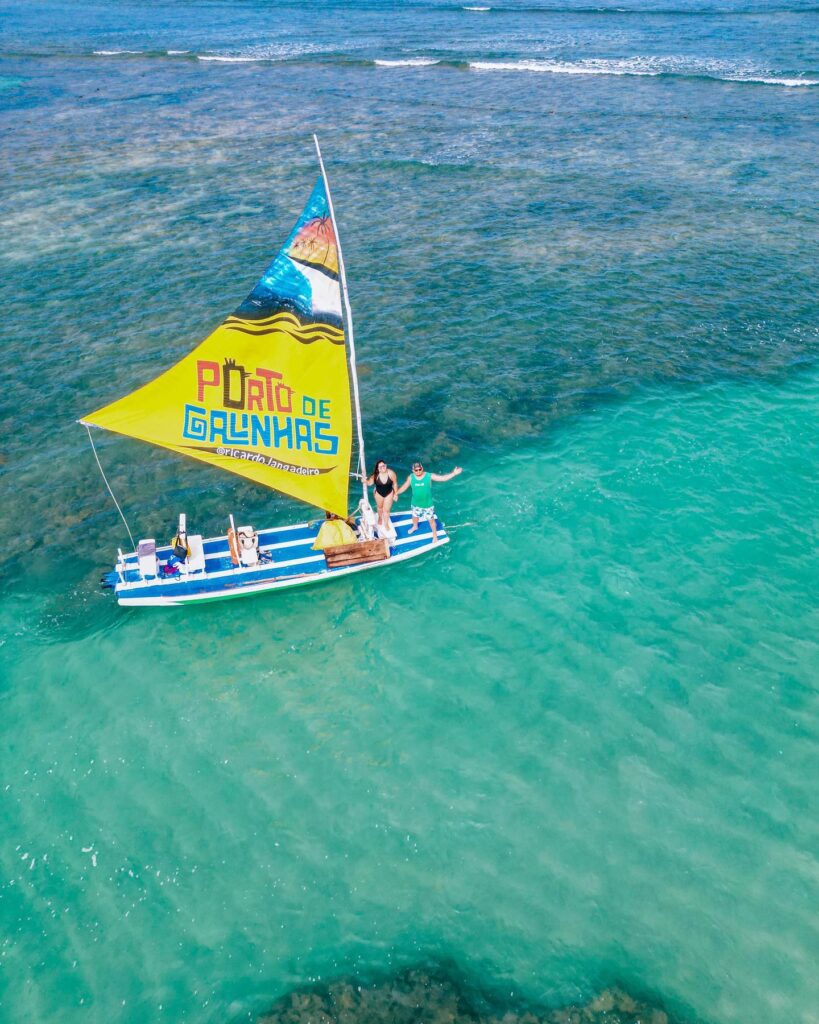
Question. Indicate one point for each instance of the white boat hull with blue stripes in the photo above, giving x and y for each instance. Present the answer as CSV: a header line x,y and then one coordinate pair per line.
x,y
289,561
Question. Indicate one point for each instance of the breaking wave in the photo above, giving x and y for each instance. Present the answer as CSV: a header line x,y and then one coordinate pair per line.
x,y
789,82
275,53
644,66
227,59
643,12
408,62
653,67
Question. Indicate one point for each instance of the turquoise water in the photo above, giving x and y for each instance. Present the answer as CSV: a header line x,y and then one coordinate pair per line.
x,y
576,747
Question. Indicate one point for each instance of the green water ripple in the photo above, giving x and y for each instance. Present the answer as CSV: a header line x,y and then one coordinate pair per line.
x,y
575,748
559,760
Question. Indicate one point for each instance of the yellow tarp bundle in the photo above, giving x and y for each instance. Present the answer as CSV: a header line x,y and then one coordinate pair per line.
x,y
332,533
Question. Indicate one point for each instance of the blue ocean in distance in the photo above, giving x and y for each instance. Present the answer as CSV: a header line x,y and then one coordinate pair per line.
x,y
576,748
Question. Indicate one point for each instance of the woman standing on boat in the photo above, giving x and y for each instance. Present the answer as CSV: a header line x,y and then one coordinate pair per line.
x,y
386,490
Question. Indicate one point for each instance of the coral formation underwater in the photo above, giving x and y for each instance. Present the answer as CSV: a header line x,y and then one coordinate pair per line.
x,y
417,995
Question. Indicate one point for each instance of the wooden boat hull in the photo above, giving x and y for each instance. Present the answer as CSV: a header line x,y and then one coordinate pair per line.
x,y
294,563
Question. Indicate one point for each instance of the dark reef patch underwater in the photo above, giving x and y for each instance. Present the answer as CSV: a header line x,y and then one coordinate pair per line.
x,y
438,996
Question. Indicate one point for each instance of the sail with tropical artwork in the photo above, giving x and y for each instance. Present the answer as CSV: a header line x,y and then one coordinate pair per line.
x,y
272,395
267,394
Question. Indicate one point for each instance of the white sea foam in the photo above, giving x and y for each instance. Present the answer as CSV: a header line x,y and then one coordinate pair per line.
x,y
114,53
556,67
177,53
476,8
276,52
408,62
224,59
650,66
789,82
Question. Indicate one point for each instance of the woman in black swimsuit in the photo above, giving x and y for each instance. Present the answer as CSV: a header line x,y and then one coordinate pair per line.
x,y
386,490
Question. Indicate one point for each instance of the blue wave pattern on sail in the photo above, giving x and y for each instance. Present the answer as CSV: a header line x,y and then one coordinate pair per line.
x,y
303,276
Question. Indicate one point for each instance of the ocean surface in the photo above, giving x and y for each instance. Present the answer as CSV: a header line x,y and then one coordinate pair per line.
x,y
577,748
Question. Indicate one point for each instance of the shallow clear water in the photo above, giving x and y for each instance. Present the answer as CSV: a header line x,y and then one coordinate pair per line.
x,y
579,745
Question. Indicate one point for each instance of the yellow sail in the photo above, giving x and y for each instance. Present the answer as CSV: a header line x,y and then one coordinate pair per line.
x,y
267,395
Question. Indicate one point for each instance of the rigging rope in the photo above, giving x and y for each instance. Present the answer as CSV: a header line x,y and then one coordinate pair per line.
x,y
105,478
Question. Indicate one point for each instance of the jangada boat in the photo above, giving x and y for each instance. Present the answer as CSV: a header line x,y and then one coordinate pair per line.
x,y
270,395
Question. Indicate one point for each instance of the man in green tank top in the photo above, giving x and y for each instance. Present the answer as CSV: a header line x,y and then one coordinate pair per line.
x,y
423,511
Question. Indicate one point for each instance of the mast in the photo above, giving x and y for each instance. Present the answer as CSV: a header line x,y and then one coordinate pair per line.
x,y
349,318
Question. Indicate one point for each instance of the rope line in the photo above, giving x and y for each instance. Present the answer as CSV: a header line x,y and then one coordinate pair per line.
x,y
105,478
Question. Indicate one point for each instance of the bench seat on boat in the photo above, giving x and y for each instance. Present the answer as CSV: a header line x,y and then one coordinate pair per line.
x,y
195,562
146,556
